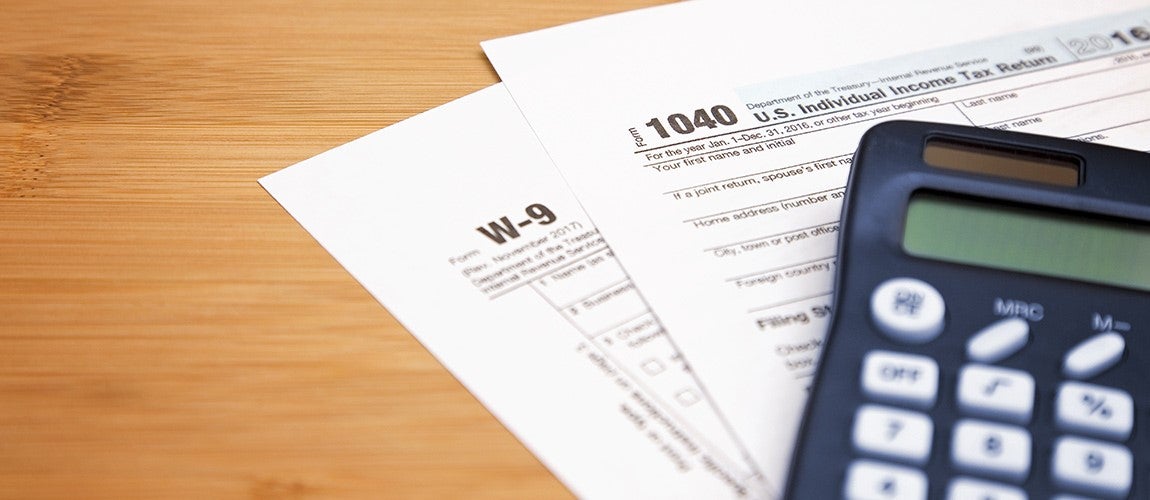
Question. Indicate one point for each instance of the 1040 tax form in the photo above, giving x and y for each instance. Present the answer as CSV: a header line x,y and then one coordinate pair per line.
x,y
719,182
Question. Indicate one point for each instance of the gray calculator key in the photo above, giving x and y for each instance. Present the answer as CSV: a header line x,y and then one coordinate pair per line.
x,y
995,450
908,310
1092,467
896,377
871,480
965,488
1093,356
887,432
996,392
1093,409
998,341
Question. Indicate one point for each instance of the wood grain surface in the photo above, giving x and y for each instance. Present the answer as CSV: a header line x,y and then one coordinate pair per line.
x,y
166,329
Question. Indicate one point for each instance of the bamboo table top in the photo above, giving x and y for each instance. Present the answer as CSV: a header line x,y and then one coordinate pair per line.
x,y
166,329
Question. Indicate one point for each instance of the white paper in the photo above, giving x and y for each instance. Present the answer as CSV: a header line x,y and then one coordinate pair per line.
x,y
544,328
727,223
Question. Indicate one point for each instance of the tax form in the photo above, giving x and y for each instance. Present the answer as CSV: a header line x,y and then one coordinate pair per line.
x,y
483,253
717,172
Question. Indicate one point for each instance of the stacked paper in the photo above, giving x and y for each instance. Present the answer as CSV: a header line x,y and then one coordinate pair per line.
x,y
630,262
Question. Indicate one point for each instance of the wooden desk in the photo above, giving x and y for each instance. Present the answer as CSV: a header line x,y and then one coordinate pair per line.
x,y
166,329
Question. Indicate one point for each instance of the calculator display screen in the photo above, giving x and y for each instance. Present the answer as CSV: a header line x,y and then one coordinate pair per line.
x,y
1030,240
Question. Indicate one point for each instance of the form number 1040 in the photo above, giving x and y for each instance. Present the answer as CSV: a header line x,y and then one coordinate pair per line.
x,y
703,118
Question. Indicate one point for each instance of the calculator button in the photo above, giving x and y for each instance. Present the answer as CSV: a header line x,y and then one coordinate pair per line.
x,y
1095,410
1092,467
998,393
893,433
998,341
908,310
870,480
965,488
1093,356
900,378
996,450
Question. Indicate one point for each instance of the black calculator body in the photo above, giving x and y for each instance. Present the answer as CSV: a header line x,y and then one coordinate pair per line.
x,y
991,337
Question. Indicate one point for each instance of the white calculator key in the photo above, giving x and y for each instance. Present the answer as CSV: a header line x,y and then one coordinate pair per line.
x,y
870,480
908,310
1093,356
1001,451
965,488
998,341
1092,467
994,392
893,433
903,378
1095,410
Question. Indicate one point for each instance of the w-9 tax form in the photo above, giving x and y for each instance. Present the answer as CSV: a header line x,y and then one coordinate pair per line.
x,y
482,252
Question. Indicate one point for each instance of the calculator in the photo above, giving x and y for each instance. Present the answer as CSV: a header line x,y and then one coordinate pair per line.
x,y
991,330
